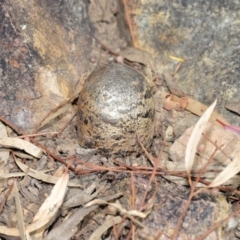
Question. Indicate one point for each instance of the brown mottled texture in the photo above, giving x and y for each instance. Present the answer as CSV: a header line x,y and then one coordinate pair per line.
x,y
43,52
203,212
115,104
206,32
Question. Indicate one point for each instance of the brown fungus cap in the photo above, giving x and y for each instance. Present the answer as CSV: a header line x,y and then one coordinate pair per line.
x,y
115,105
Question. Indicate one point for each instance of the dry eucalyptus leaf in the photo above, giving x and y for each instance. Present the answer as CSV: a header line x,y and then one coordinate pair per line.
x,y
20,220
14,232
78,87
230,171
28,237
48,211
55,114
22,155
42,176
61,232
10,175
196,136
229,142
119,207
197,108
54,201
5,175
65,106
83,196
59,171
179,105
4,153
137,55
22,145
3,131
97,234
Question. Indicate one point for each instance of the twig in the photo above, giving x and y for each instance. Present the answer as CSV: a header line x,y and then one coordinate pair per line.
x,y
19,132
12,126
192,194
133,191
49,113
37,134
216,225
215,144
153,175
149,156
106,48
144,170
54,156
65,126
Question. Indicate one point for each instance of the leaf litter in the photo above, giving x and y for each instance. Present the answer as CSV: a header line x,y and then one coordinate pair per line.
x,y
53,203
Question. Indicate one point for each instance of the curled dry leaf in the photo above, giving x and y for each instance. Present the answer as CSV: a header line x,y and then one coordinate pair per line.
x,y
64,106
97,234
229,143
83,196
22,145
197,108
183,102
42,176
61,232
195,137
23,155
53,202
230,171
47,212
137,55
20,220
5,175
119,207
179,105
4,153
55,114
58,173
78,87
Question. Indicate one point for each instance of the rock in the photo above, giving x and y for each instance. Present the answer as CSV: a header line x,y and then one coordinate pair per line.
x,y
44,48
206,33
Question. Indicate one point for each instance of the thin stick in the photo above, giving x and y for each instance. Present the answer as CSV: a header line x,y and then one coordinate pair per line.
x,y
191,195
18,131
37,134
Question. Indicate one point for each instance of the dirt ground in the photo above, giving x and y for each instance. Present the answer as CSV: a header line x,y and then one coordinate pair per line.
x,y
103,177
